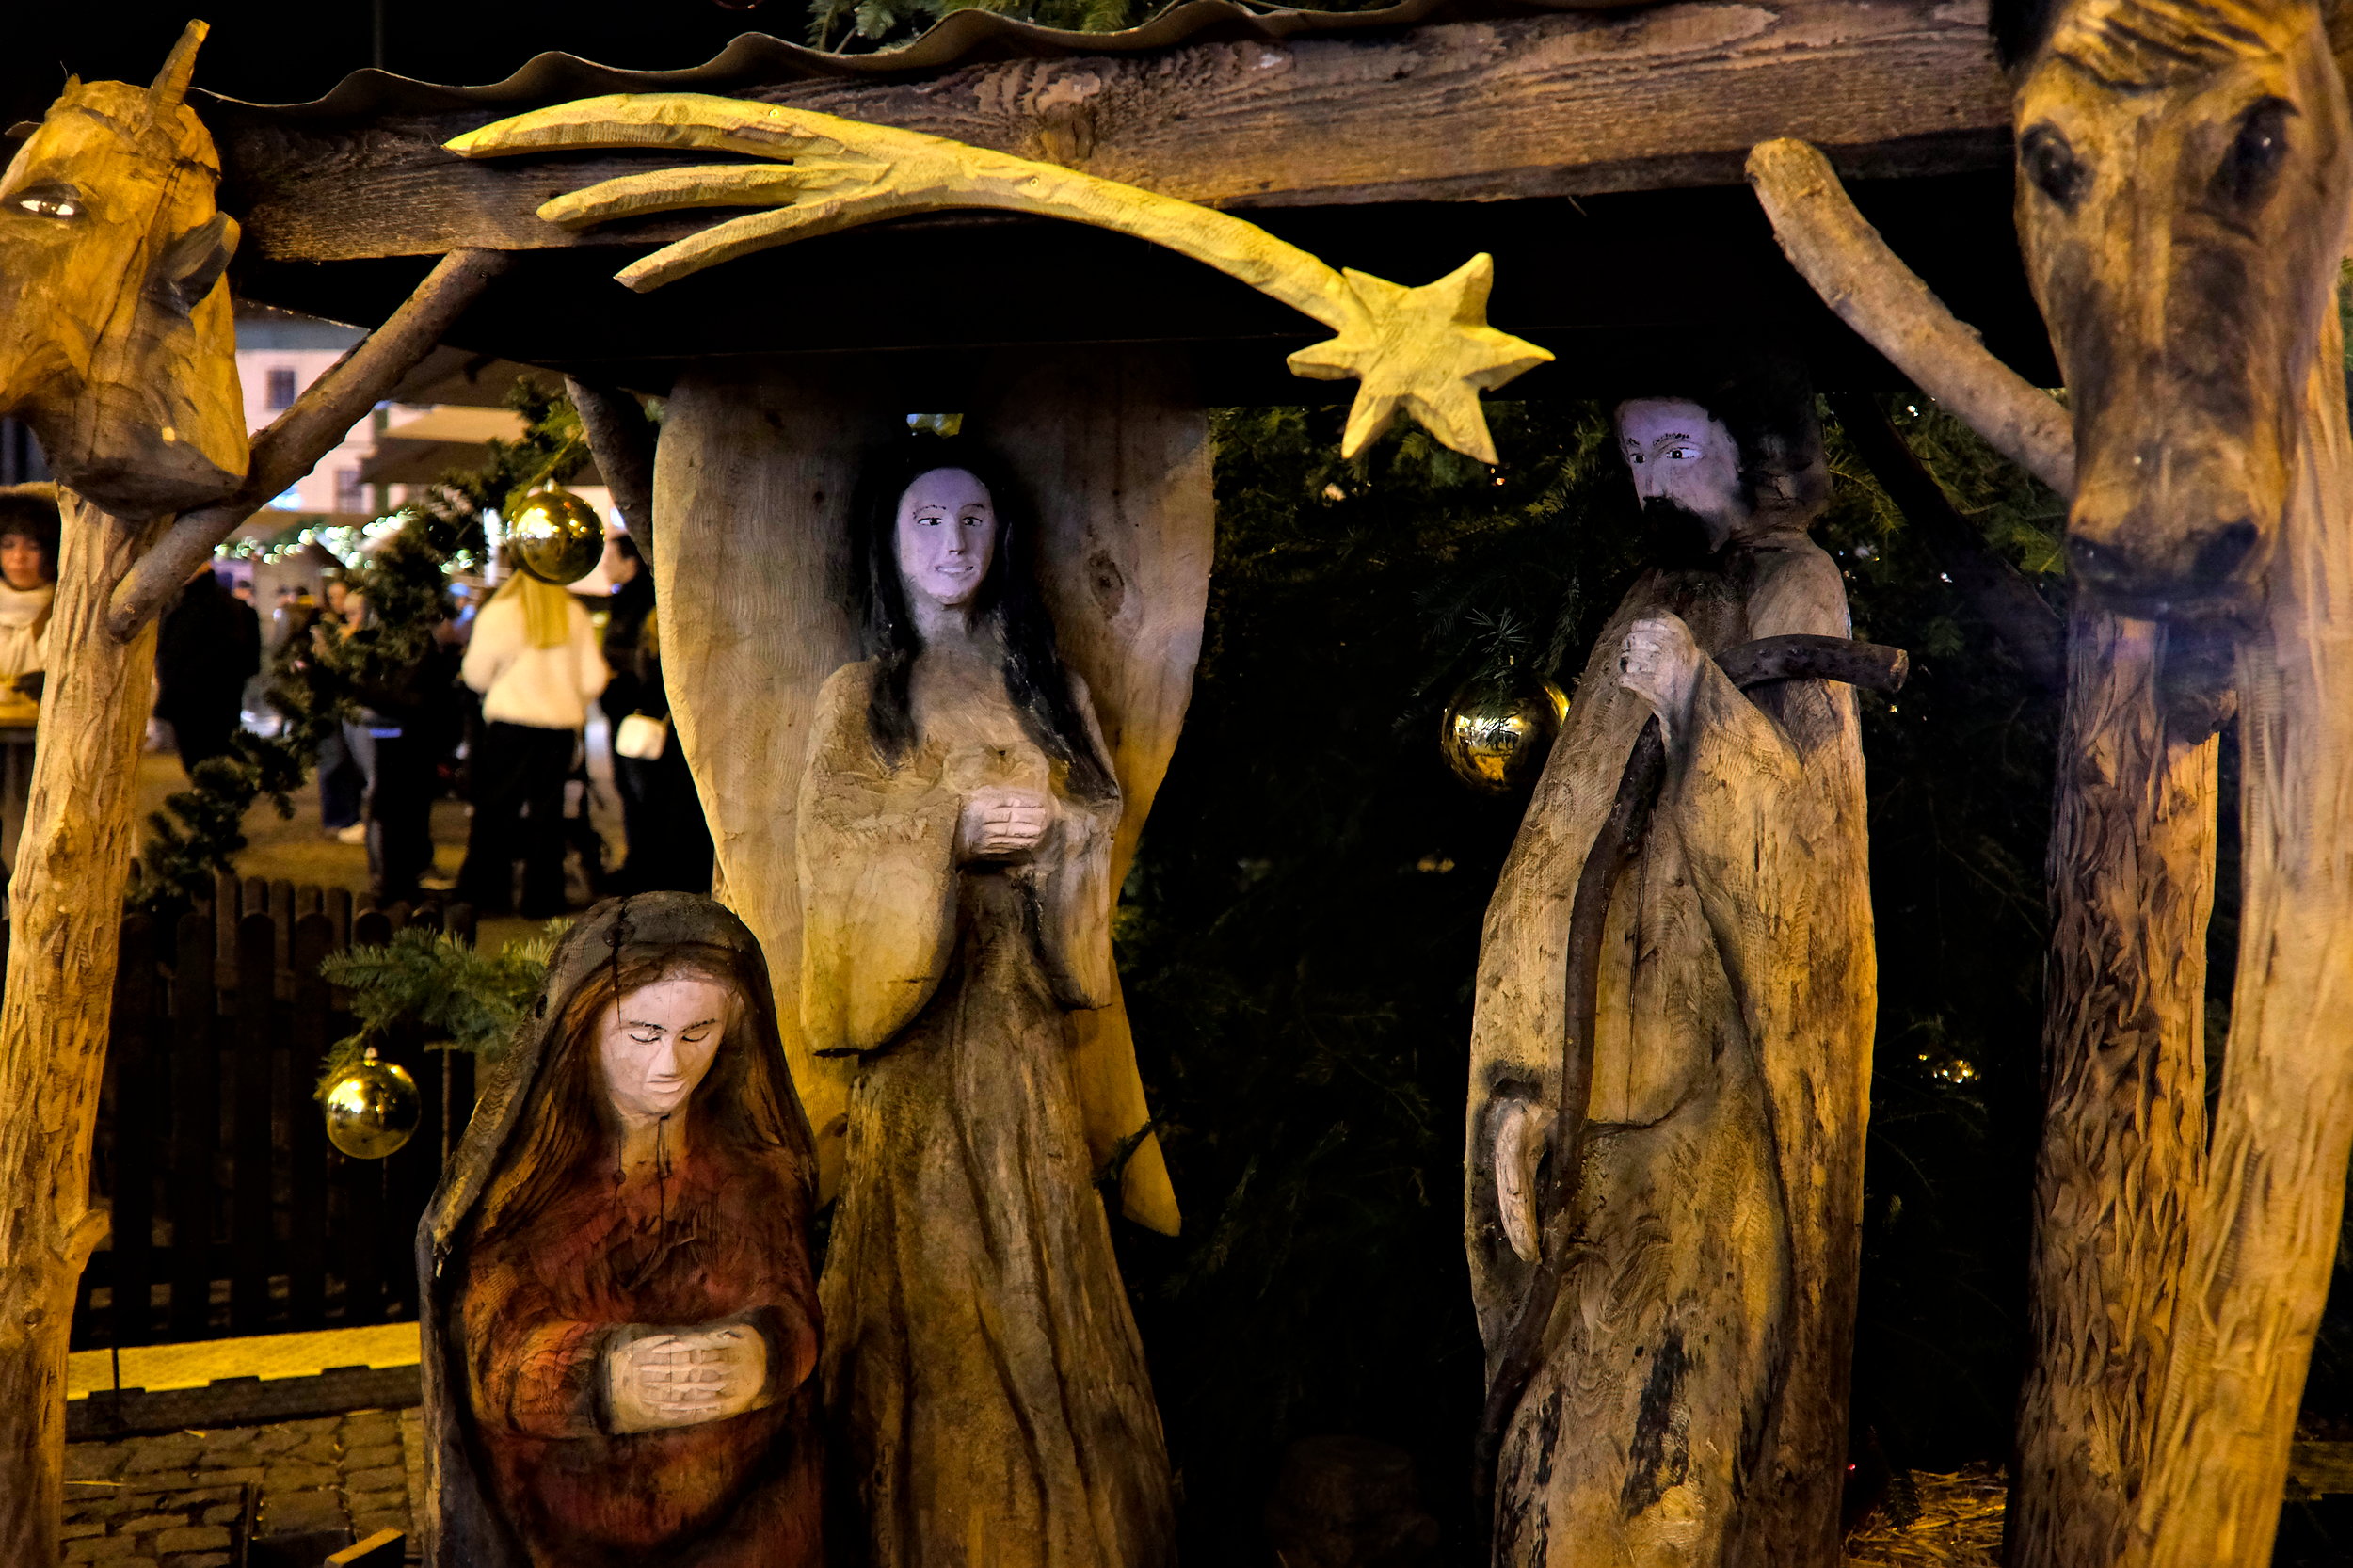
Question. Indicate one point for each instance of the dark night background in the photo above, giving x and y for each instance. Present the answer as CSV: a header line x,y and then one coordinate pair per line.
x,y
1299,937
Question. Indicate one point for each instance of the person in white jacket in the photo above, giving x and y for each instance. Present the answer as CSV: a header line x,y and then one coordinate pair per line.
x,y
534,658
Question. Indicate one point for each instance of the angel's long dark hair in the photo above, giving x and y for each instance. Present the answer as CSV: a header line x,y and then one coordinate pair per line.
x,y
1008,604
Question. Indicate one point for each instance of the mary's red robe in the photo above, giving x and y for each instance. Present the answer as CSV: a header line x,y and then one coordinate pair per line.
x,y
535,1260
544,1307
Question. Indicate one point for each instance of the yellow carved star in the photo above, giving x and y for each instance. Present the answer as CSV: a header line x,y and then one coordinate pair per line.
x,y
1427,352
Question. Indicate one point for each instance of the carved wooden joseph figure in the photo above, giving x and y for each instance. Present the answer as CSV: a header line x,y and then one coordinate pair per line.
x,y
1687,1401
986,1384
621,1324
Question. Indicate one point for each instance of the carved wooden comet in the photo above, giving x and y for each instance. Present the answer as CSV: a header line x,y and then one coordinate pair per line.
x,y
1427,351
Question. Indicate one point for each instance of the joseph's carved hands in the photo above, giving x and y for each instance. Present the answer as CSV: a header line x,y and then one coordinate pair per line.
x,y
1000,824
1660,664
686,1378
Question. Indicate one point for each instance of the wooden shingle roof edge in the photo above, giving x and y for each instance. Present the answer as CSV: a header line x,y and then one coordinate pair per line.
x,y
970,37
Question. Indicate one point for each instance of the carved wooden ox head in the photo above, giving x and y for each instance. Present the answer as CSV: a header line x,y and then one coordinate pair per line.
x,y
117,341
2185,170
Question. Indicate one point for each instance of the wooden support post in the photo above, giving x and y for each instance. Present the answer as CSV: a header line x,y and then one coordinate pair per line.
x,y
66,911
2124,1132
2263,1236
115,575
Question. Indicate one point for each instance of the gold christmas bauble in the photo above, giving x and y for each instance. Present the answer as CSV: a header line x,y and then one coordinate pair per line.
x,y
555,536
1499,727
372,1109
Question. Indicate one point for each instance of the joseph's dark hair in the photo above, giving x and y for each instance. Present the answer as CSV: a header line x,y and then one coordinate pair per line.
x,y
1008,604
31,510
1764,401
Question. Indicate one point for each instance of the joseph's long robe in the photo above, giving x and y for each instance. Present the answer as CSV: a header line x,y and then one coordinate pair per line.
x,y
986,1384
1690,1408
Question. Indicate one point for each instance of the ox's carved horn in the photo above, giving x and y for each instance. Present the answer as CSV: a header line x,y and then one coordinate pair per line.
x,y
171,82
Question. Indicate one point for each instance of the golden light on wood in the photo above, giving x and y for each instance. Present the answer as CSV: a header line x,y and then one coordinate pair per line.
x,y
1426,351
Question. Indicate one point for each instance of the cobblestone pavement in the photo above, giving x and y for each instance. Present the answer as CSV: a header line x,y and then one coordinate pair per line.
x,y
173,1502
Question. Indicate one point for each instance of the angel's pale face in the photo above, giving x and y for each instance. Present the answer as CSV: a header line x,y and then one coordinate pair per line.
x,y
946,537
658,1041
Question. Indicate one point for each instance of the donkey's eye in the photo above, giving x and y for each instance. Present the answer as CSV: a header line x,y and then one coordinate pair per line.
x,y
2043,153
58,202
2251,167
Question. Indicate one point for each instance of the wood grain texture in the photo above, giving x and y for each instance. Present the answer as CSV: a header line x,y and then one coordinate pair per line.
x,y
2264,1234
66,910
752,482
1691,1401
1118,458
2123,1147
982,1372
753,479
1540,106
2183,323
117,338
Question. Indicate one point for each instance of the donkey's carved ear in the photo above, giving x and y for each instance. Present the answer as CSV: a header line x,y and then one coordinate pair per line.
x,y
171,82
186,272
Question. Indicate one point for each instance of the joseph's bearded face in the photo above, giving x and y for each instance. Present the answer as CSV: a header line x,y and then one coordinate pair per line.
x,y
1686,474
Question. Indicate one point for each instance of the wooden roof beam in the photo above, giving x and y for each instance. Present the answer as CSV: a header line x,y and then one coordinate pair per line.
x,y
1568,104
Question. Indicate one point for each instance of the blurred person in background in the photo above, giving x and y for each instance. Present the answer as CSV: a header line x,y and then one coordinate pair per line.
x,y
670,845
669,841
410,724
342,780
208,647
28,585
534,657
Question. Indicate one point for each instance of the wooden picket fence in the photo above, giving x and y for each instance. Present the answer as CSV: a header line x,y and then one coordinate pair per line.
x,y
232,1214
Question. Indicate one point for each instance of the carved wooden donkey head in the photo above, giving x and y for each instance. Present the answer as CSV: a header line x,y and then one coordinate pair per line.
x,y
117,341
2184,173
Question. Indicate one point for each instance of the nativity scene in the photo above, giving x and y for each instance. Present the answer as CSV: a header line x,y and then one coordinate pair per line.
x,y
1097,1088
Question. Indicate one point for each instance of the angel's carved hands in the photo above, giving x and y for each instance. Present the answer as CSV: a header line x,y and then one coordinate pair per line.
x,y
1660,664
1002,824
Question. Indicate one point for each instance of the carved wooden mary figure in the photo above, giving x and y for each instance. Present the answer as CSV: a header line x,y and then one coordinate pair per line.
x,y
620,1318
984,1378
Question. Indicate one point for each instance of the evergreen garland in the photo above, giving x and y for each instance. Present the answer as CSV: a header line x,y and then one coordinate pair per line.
x,y
461,999
321,680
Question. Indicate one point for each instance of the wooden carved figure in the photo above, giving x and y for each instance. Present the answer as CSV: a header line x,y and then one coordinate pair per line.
x,y
1683,1397
2186,184
620,1319
983,1377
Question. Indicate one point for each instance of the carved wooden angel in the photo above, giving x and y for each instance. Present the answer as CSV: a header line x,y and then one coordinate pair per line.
x,y
983,1377
619,1320
1689,1404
